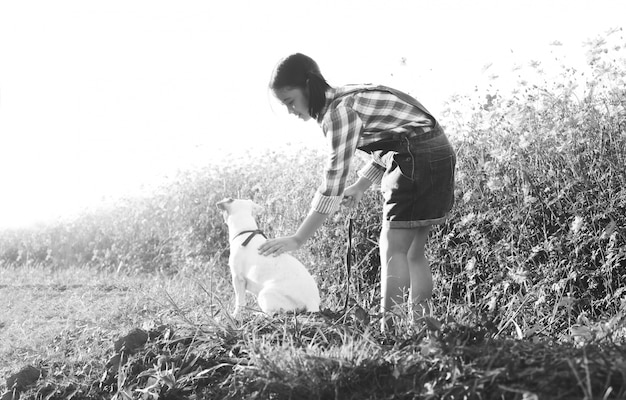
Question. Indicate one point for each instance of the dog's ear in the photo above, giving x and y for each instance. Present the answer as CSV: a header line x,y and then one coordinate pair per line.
x,y
256,209
222,203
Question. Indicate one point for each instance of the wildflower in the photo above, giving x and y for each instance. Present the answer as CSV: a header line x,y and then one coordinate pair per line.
x,y
524,142
467,196
467,218
577,224
495,183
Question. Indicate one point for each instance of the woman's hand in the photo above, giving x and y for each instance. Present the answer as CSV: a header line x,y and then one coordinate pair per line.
x,y
353,193
352,196
275,247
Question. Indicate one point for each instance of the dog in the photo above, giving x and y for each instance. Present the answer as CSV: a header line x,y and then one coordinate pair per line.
x,y
280,283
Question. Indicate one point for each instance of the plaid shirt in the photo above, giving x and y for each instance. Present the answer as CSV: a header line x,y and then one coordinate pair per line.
x,y
353,120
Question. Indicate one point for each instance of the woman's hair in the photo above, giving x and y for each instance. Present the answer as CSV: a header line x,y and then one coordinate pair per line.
x,y
300,71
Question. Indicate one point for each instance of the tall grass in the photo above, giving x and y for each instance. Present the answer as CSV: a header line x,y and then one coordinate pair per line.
x,y
534,251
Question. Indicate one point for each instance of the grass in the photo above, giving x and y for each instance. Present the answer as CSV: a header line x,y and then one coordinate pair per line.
x,y
188,353
530,301
175,340
48,310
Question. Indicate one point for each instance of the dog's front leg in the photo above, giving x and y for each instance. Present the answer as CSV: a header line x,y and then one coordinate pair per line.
x,y
239,284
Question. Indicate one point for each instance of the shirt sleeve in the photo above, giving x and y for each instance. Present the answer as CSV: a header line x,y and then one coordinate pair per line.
x,y
342,129
373,171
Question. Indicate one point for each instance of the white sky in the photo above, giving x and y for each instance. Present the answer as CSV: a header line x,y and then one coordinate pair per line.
x,y
104,98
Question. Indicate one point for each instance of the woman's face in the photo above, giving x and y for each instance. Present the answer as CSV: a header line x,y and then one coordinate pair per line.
x,y
296,101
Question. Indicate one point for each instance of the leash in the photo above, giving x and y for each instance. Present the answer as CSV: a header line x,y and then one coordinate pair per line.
x,y
348,259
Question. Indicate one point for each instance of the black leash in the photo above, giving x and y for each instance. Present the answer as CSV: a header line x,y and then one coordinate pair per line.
x,y
348,261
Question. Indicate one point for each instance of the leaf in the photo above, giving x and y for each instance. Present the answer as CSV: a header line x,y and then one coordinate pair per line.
x,y
396,372
169,379
432,323
518,330
608,230
533,330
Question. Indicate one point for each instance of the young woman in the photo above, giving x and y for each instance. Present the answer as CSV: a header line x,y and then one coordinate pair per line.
x,y
412,161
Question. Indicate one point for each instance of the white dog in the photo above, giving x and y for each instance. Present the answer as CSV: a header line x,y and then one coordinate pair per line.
x,y
280,283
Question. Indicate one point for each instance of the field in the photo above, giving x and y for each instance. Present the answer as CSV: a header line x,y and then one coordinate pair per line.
x,y
133,301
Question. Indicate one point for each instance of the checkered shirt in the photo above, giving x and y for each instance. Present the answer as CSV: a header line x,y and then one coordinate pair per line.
x,y
354,120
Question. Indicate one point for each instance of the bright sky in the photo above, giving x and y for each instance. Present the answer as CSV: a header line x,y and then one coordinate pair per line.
x,y
100,99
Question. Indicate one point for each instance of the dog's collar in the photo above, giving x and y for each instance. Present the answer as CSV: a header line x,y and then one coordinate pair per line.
x,y
252,233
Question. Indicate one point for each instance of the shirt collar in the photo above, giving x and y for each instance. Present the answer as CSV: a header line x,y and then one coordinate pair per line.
x,y
333,93
330,96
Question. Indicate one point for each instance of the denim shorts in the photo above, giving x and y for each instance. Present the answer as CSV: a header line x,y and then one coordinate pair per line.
x,y
418,183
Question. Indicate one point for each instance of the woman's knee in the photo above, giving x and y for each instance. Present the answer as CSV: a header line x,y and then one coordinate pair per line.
x,y
393,241
418,245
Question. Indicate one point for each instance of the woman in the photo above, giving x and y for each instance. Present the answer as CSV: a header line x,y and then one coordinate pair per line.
x,y
412,160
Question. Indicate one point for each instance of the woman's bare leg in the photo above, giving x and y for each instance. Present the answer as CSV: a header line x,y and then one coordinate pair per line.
x,y
404,266
421,276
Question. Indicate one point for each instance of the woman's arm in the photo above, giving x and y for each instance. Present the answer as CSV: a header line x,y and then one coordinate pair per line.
x,y
311,223
342,130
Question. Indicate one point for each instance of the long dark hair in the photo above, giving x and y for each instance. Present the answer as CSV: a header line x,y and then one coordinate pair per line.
x,y
300,71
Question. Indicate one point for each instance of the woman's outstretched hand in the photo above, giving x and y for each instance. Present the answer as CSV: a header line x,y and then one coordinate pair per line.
x,y
275,247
